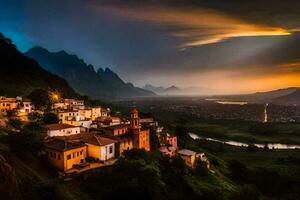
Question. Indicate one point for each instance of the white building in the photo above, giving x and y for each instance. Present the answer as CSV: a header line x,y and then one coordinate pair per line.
x,y
100,148
62,130
26,107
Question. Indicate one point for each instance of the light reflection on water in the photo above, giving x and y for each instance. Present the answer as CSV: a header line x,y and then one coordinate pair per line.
x,y
241,144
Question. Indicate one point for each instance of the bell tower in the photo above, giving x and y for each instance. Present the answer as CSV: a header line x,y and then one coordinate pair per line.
x,y
135,124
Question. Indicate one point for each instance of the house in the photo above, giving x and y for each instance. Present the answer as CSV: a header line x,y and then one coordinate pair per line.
x,y
116,130
98,147
68,115
85,113
75,103
105,112
96,113
106,121
168,151
7,103
188,156
167,140
62,130
26,107
65,155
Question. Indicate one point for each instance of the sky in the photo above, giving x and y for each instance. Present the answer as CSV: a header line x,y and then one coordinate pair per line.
x,y
226,45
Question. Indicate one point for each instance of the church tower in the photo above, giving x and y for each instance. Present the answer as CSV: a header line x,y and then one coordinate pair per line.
x,y
135,124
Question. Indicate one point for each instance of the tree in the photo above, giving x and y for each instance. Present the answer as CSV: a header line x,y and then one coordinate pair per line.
x,y
50,118
201,168
29,139
35,117
41,100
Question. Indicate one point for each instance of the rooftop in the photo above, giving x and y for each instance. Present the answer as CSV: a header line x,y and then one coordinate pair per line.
x,y
62,145
53,127
186,152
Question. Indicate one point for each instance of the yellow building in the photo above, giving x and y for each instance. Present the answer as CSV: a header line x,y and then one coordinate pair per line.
x,y
64,155
188,156
141,138
8,104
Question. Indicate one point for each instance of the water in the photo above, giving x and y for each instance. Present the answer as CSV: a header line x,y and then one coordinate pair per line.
x,y
228,102
241,144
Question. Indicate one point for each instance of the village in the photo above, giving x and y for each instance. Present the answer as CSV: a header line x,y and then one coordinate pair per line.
x,y
87,137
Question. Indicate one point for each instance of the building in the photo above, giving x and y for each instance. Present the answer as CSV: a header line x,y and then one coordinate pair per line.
x,y
65,155
168,151
100,148
7,104
105,112
188,156
62,130
75,103
116,130
68,115
96,113
26,107
167,139
141,138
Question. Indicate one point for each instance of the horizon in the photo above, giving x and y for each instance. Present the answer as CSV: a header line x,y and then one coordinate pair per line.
x,y
165,44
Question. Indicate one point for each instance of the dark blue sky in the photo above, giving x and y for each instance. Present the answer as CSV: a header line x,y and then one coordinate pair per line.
x,y
226,46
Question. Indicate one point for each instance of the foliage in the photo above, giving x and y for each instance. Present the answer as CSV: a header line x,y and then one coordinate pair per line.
x,y
29,139
50,118
40,98
201,168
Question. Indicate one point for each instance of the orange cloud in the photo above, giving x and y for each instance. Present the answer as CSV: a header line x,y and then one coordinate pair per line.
x,y
198,26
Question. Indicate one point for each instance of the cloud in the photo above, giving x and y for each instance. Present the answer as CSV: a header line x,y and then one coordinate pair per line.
x,y
198,26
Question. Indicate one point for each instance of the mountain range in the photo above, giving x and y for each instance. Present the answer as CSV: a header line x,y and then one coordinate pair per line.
x,y
174,90
102,83
21,75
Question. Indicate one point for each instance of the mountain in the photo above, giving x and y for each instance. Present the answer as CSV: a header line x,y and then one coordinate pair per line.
x,y
20,75
274,94
292,98
173,90
83,78
154,88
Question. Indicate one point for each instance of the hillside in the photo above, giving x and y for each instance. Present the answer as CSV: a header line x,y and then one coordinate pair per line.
x,y
292,98
20,75
83,78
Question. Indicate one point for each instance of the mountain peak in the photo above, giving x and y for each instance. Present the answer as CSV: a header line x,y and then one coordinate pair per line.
x,y
83,78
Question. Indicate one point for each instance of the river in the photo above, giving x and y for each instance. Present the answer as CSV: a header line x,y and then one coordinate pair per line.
x,y
241,144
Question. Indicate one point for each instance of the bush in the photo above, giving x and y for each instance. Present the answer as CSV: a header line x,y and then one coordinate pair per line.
x,y
50,118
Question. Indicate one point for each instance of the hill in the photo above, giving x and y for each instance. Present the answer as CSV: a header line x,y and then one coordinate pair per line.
x,y
83,78
292,98
20,75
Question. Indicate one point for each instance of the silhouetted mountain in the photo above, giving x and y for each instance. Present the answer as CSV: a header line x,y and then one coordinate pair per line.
x,y
275,93
292,98
154,88
83,78
20,75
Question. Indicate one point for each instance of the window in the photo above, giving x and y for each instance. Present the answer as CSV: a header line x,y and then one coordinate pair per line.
x,y
81,152
110,149
51,155
58,156
54,155
69,157
74,155
77,154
